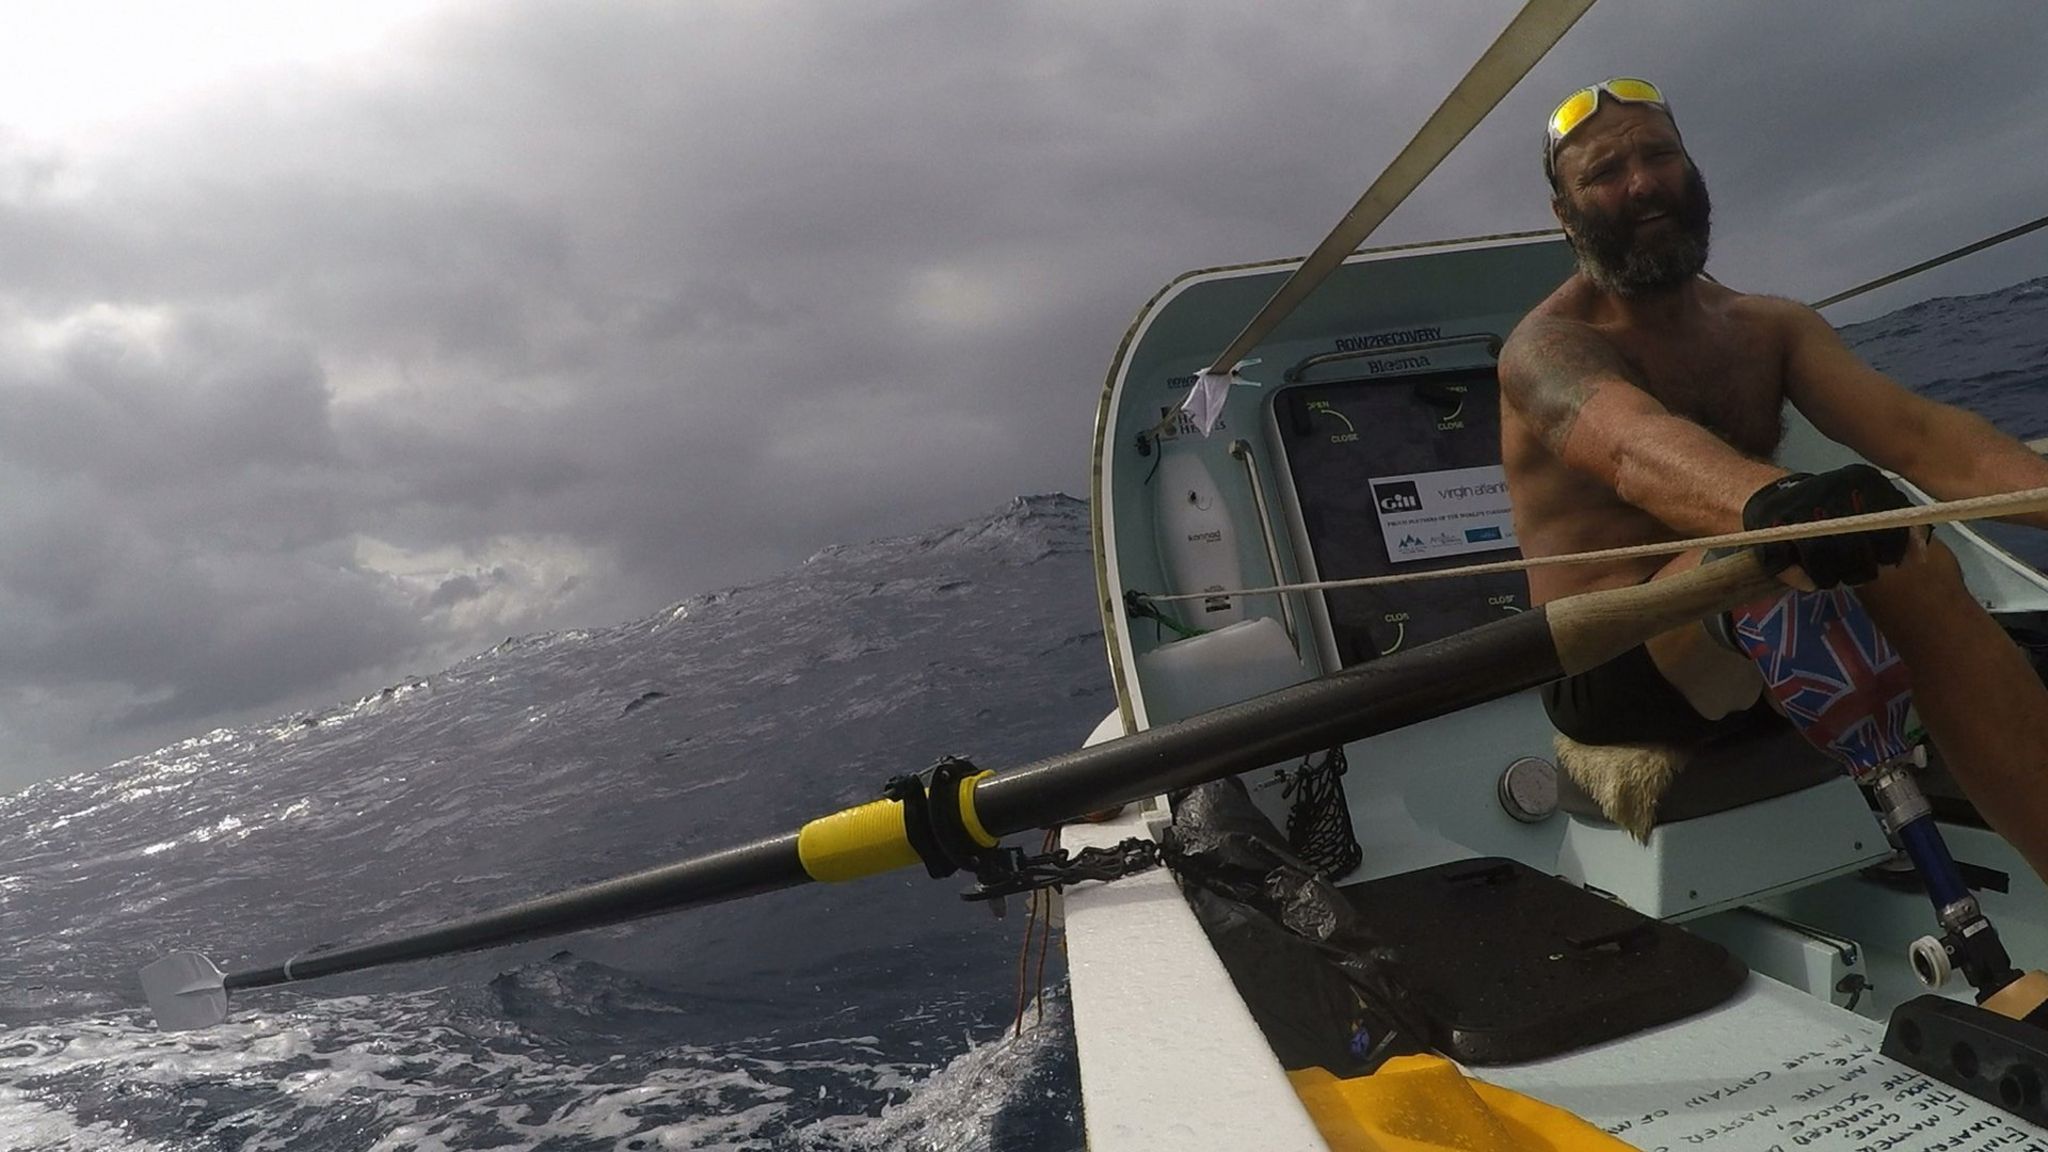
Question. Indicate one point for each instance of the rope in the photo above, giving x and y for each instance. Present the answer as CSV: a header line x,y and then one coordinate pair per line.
x,y
1040,900
1938,261
1137,607
1023,963
1941,512
1043,899
1539,25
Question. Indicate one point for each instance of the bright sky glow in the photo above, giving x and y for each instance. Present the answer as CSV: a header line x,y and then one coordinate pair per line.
x,y
73,67
954,300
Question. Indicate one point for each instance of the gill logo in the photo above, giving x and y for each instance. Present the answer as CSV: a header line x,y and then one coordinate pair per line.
x,y
1399,496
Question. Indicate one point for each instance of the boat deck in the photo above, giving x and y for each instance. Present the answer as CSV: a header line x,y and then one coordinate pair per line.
x,y
1171,1059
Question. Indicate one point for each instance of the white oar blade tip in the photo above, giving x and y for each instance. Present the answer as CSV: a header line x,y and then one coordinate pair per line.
x,y
185,992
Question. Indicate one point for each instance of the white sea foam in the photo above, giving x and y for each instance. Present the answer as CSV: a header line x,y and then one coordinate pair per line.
x,y
955,1108
403,1081
28,1123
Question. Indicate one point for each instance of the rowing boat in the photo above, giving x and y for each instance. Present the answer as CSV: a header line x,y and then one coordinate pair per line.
x,y
1370,449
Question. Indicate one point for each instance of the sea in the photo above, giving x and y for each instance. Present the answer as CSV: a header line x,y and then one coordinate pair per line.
x,y
882,1014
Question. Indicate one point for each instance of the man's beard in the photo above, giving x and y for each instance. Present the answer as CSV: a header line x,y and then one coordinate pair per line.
x,y
1616,260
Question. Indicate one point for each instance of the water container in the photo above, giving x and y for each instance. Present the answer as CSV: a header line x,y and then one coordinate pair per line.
x,y
1246,659
1198,546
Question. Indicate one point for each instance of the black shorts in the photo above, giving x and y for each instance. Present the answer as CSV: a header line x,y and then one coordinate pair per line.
x,y
1628,701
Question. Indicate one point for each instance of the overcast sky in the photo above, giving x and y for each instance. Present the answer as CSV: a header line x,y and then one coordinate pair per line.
x,y
338,346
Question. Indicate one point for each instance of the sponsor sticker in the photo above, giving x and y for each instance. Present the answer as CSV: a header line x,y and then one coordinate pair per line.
x,y
1427,515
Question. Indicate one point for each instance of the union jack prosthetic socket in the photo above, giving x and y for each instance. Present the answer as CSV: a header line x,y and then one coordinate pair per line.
x,y
1833,674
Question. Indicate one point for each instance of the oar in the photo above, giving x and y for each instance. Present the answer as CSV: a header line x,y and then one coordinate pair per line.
x,y
1527,38
1567,635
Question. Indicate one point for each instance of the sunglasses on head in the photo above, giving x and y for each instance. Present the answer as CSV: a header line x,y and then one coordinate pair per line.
x,y
1578,107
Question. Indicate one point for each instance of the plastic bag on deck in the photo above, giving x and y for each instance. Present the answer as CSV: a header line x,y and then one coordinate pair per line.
x,y
1306,967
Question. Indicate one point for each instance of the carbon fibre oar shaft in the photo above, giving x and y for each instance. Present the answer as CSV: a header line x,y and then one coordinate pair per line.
x,y
731,874
1566,636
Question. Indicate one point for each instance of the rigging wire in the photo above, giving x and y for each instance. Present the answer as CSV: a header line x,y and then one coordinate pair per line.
x,y
1938,261
1044,899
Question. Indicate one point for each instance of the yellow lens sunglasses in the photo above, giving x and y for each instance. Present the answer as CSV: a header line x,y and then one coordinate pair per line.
x,y
1576,108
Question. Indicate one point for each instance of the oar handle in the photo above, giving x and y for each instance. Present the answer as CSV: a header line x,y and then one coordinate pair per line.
x,y
1566,636
1592,628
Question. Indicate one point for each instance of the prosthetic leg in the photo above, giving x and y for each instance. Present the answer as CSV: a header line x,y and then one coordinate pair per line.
x,y
1834,676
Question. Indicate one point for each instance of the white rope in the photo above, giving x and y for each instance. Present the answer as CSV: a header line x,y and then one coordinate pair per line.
x,y
1944,512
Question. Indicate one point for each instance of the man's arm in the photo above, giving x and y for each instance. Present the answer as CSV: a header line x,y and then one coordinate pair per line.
x,y
1569,385
1951,453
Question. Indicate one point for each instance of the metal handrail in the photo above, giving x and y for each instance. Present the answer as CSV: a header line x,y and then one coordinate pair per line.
x,y
1241,451
1492,340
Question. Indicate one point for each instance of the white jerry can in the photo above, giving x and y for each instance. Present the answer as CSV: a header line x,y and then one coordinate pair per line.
x,y
1198,545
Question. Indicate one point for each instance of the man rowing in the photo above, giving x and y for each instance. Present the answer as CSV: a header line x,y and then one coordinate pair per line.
x,y
1642,402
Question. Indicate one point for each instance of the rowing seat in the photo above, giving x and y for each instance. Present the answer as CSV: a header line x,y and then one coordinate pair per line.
x,y
1747,764
1753,812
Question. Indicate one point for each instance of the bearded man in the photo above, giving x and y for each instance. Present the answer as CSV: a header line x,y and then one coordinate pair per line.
x,y
1642,402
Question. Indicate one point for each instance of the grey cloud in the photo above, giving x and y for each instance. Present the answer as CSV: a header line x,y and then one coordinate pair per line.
x,y
455,590
196,405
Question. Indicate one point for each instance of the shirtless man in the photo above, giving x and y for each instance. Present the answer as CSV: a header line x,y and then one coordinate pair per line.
x,y
1641,402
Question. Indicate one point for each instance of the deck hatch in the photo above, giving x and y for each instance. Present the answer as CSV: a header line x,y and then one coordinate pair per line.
x,y
1510,964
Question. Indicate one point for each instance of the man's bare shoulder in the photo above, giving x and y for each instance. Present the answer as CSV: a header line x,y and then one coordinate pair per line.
x,y
1791,329
1562,331
1777,313
1565,314
1551,365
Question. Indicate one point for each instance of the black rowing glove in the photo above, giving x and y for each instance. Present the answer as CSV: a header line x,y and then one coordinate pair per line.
x,y
1802,497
